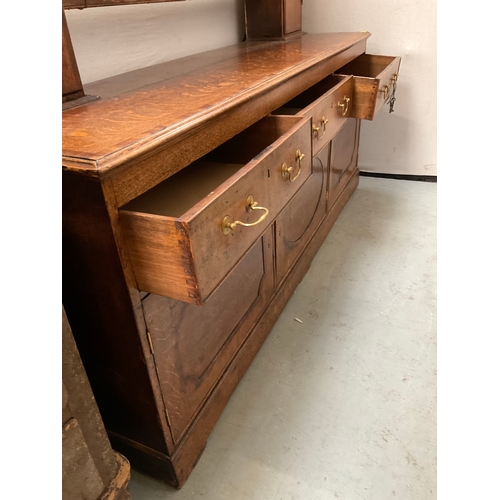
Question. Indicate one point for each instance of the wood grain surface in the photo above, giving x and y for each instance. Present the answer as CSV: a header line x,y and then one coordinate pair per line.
x,y
193,345
166,111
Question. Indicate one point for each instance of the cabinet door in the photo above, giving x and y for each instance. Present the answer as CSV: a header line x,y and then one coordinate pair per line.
x,y
298,220
344,156
194,344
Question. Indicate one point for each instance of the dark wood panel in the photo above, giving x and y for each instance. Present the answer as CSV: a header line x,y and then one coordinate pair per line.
x,y
292,16
264,19
193,345
72,87
272,19
101,313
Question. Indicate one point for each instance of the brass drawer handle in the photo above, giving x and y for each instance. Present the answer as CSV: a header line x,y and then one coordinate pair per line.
x,y
227,225
343,107
315,129
287,171
394,78
385,91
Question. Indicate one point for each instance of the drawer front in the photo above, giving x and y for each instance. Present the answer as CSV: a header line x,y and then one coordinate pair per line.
x,y
328,103
188,257
344,157
329,113
193,345
375,80
297,222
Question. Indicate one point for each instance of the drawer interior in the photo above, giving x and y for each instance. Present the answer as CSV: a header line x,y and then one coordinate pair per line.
x,y
192,185
310,95
177,194
367,65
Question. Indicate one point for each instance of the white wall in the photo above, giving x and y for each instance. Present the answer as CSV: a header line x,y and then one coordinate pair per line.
x,y
403,142
111,40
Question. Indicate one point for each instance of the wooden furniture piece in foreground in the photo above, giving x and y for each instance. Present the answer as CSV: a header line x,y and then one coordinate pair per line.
x,y
195,195
91,470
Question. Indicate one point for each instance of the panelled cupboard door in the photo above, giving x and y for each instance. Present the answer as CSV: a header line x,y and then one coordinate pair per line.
x,y
194,345
297,222
343,157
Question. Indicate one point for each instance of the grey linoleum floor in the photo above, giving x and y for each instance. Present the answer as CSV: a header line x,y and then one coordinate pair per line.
x,y
341,405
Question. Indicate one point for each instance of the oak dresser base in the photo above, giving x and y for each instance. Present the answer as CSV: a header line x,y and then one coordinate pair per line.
x,y
195,197
176,471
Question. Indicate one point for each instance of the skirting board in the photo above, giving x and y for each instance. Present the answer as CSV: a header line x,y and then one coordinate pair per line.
x,y
404,177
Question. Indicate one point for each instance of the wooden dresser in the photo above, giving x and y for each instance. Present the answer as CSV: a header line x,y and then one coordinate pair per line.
x,y
195,195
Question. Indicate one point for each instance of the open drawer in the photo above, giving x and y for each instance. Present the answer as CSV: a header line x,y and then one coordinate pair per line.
x,y
186,234
374,81
328,103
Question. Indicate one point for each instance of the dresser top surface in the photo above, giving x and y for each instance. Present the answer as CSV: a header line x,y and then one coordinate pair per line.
x,y
167,101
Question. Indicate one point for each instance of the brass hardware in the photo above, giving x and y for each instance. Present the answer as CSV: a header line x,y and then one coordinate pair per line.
x,y
227,225
343,107
392,99
315,129
287,171
299,157
385,91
